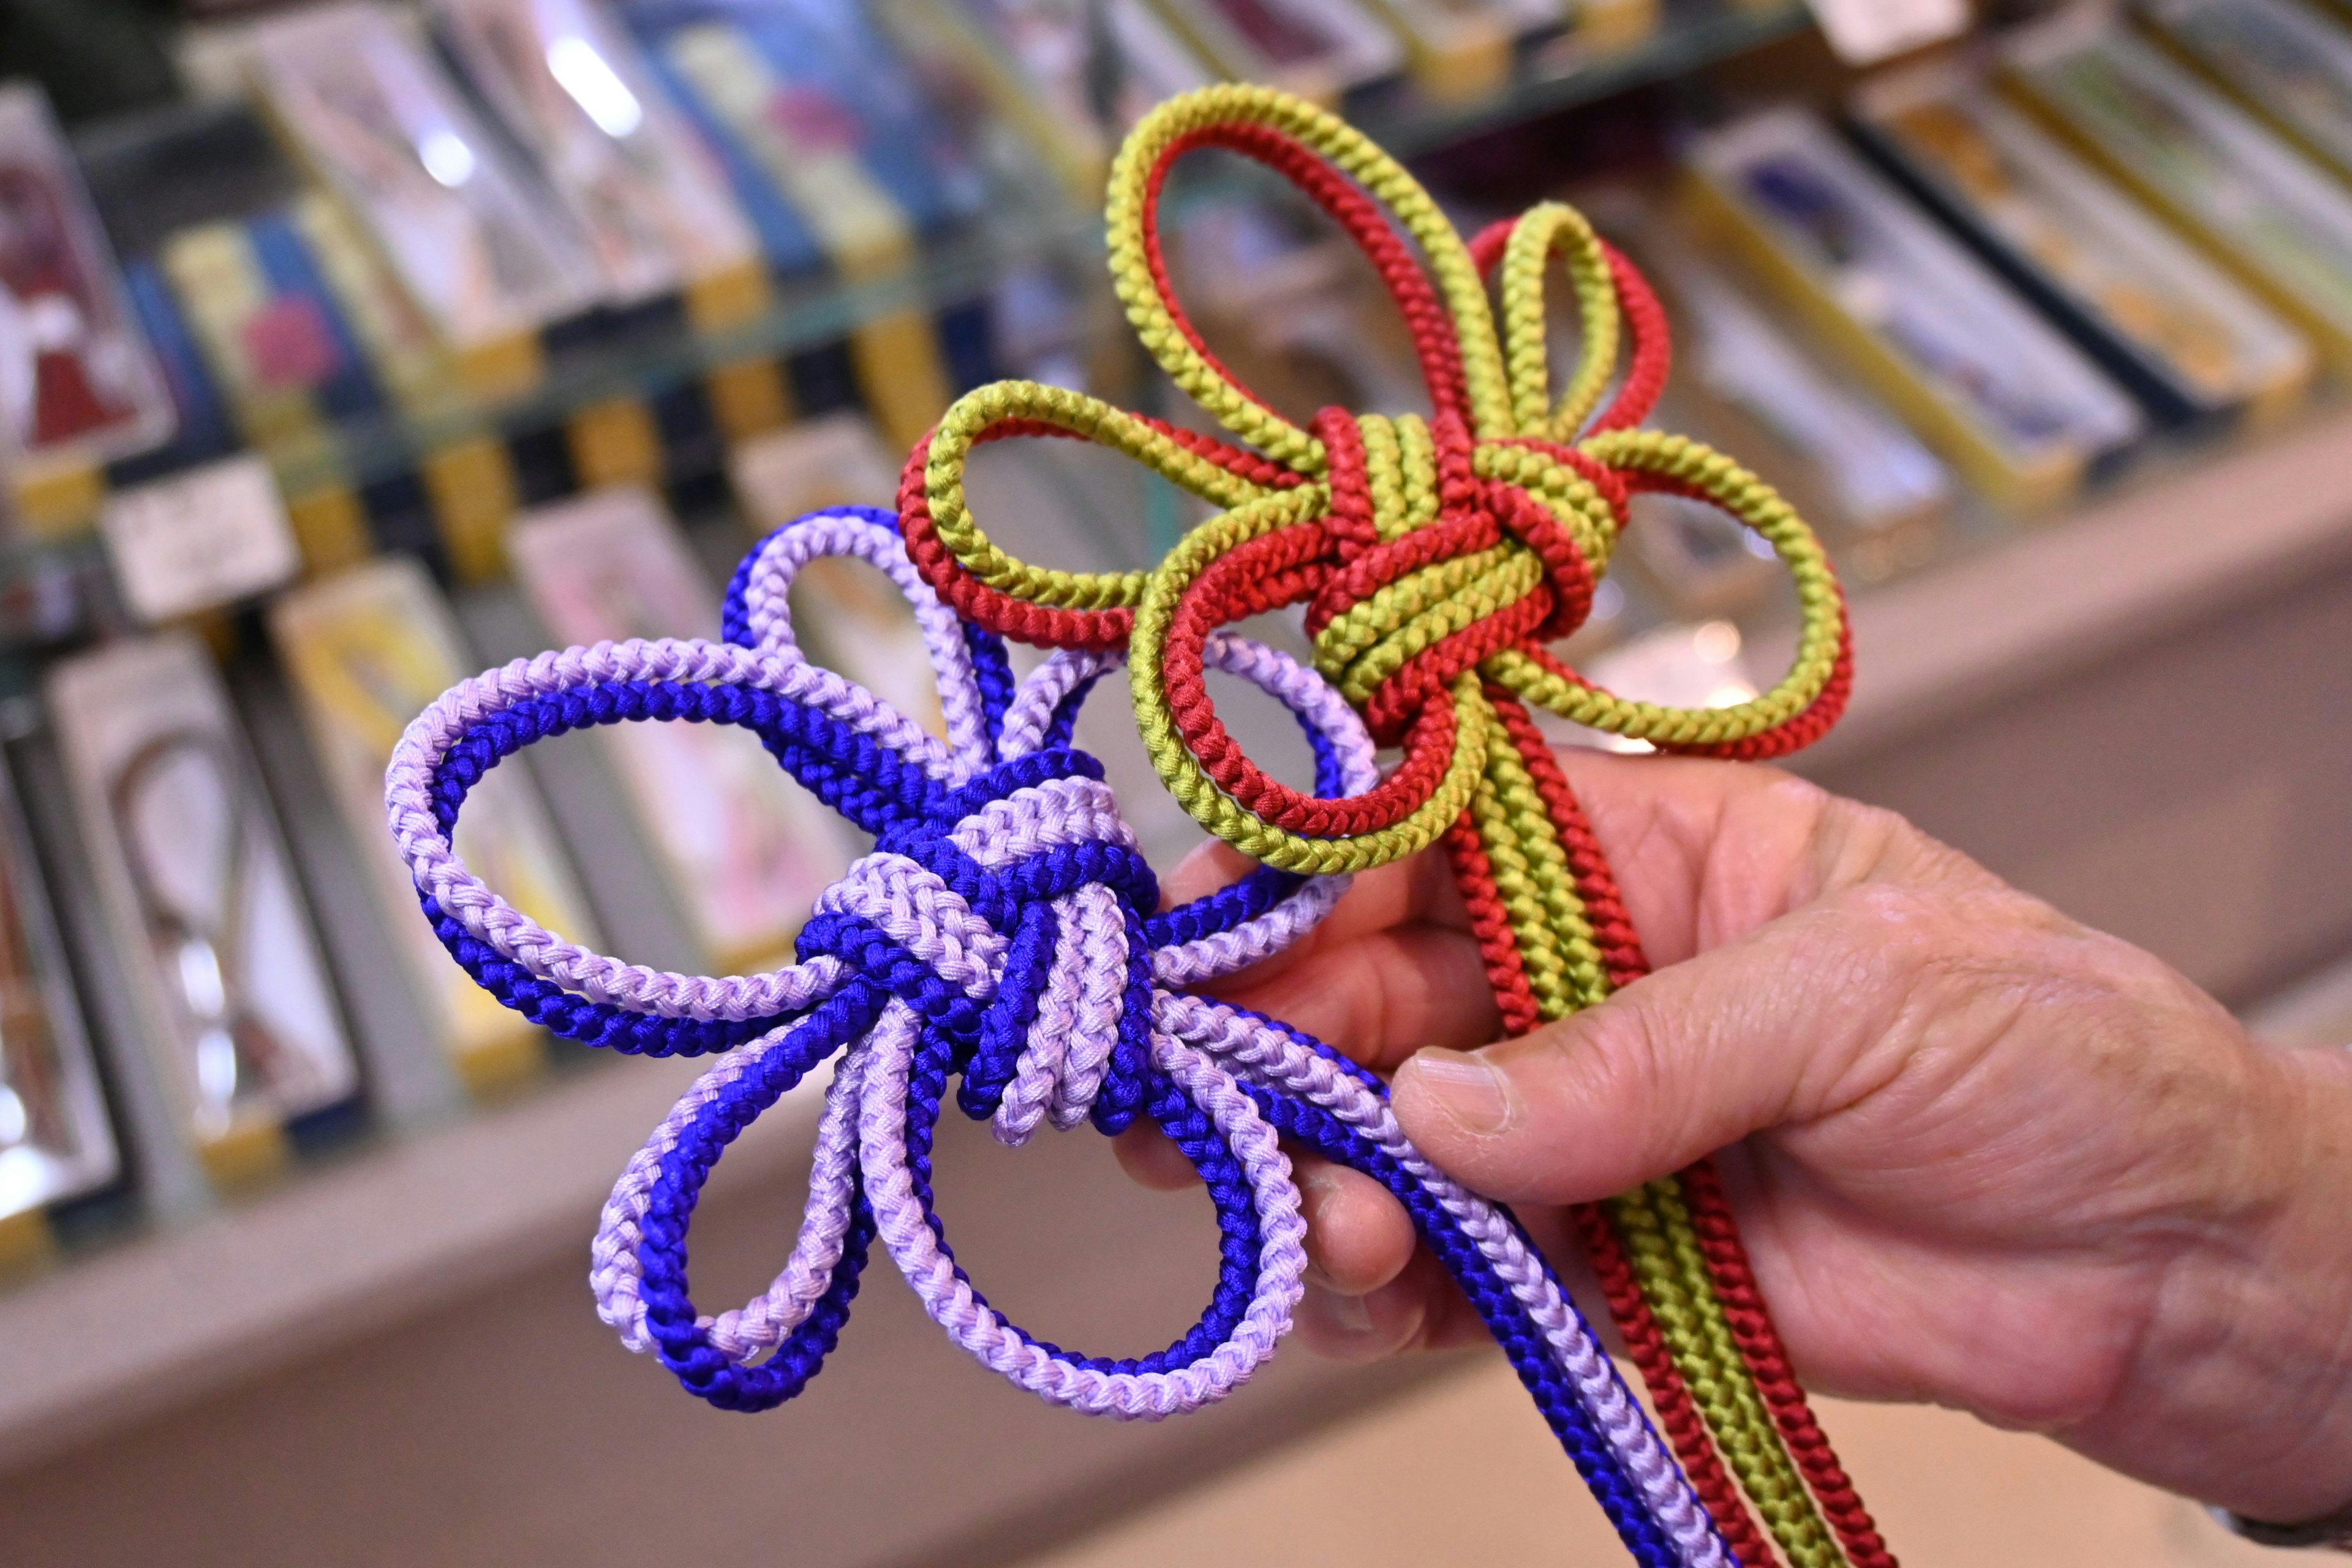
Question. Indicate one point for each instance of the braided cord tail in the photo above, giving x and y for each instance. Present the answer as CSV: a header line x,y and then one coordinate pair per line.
x,y
1688,1214
1561,959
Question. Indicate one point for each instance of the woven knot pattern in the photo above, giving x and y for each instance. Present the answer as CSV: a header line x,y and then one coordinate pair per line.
x,y
1012,924
1437,567
1438,558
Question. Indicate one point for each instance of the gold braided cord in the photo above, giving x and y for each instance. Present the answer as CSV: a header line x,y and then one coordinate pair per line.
x,y
1482,584
1759,506
1554,226
1458,283
1568,495
1537,887
1392,608
1662,1246
979,410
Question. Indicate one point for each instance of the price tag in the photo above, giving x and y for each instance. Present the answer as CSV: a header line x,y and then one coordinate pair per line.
x,y
1865,32
199,539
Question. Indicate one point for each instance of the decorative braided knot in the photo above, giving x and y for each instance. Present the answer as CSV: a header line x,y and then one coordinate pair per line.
x,y
1003,932
1436,557
1012,924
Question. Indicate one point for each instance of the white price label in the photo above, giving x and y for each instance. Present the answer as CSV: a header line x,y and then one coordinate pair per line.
x,y
1865,32
199,539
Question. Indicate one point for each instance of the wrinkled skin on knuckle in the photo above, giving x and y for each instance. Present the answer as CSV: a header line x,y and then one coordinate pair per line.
x,y
2017,1044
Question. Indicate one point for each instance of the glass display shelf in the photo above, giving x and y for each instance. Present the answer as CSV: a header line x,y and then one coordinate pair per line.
x,y
1573,67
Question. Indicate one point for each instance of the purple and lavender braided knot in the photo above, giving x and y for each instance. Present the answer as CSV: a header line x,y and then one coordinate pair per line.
x,y
1003,933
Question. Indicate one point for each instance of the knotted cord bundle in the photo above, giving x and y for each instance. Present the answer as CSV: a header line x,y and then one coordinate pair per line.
x,y
1436,557
1003,934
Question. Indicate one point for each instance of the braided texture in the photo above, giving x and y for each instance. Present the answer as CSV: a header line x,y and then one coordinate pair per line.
x,y
1002,939
1436,558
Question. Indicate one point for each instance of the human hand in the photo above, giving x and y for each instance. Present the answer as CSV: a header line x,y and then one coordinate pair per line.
x,y
1982,1156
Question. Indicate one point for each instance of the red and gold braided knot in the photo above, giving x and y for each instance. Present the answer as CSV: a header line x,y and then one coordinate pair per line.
x,y
1437,558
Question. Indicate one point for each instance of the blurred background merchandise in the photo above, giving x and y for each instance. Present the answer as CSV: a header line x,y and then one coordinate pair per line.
x,y
517,320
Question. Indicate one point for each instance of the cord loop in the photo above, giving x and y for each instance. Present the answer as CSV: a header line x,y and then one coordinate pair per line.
x,y
1437,555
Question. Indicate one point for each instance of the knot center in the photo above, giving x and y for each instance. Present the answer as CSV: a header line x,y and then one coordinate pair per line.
x,y
1439,568
1010,920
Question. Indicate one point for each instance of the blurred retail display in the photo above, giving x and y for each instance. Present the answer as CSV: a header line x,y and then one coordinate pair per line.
x,y
1072,75
2011,403
524,316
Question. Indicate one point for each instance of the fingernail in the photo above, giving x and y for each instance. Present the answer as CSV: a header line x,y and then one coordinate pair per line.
x,y
1349,1313
1317,1189
1468,1088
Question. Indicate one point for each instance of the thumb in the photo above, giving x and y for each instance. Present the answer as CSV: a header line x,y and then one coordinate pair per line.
x,y
1803,1017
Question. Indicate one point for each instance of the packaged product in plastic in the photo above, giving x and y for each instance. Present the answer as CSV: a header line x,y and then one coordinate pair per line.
x,y
1317,48
1850,465
2282,60
745,850
2265,211
1071,75
78,386
2013,405
850,619
636,179
211,936
484,249
367,650
834,153
2167,323
55,1142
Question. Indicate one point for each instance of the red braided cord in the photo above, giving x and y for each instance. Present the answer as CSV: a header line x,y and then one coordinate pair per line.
x,y
1231,590
1366,222
1646,323
1760,1348
1293,565
1678,1415
1710,1207
1507,972
1594,472
1653,354
1422,680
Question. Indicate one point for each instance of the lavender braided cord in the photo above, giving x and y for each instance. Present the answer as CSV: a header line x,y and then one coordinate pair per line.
x,y
438,870
1294,684
905,1231
1247,1045
913,907
768,607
